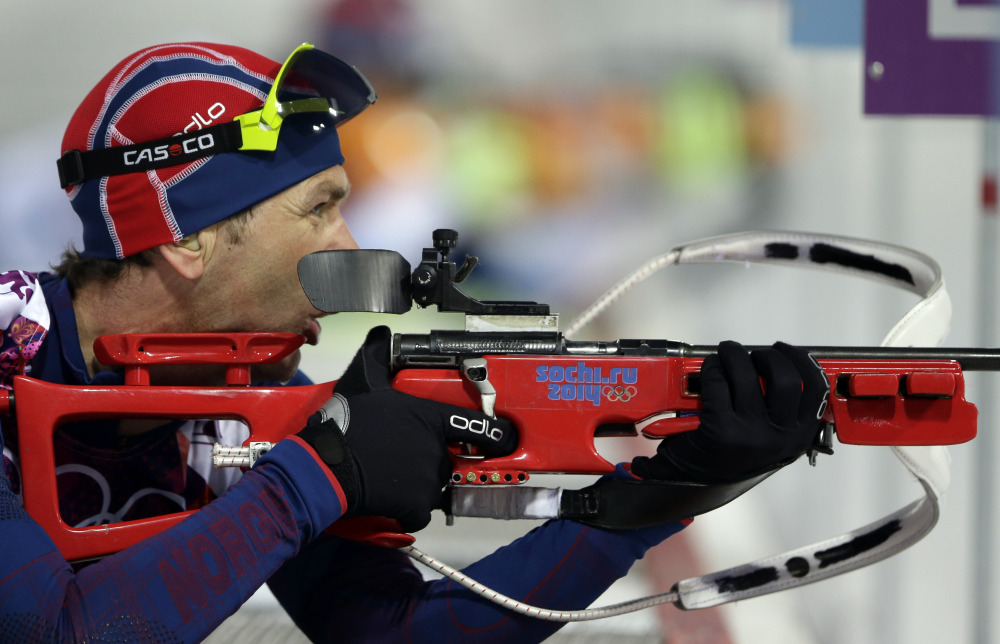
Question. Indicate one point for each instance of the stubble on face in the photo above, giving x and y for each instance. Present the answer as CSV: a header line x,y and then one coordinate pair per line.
x,y
253,285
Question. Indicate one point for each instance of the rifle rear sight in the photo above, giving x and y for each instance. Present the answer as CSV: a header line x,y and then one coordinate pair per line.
x,y
435,279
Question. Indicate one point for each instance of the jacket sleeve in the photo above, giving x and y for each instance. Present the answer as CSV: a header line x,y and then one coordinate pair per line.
x,y
179,585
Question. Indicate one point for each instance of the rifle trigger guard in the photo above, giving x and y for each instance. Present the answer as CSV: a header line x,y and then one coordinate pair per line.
x,y
477,372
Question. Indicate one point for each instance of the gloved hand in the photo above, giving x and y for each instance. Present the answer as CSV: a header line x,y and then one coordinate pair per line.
x,y
744,431
386,448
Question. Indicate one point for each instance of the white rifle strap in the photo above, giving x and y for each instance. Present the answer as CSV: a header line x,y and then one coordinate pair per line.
x,y
926,324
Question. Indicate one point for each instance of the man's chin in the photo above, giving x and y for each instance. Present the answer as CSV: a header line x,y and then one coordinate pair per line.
x,y
282,371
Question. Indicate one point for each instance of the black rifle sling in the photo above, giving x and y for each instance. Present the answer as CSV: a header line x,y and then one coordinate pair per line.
x,y
628,504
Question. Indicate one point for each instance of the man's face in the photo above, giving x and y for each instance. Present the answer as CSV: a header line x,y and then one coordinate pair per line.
x,y
253,285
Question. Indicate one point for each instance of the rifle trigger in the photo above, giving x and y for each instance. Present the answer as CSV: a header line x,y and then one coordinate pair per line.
x,y
822,444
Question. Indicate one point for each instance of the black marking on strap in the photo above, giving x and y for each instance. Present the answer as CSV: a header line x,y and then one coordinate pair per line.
x,y
752,579
797,566
859,544
828,254
781,250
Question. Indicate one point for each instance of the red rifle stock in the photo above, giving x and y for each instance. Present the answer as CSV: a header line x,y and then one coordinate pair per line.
x,y
560,398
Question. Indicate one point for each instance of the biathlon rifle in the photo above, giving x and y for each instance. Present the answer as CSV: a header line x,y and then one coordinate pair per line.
x,y
561,394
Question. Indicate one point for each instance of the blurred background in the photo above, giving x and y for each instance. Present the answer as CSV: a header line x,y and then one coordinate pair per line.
x,y
571,140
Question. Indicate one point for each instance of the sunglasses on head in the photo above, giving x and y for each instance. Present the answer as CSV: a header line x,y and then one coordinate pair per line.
x,y
309,82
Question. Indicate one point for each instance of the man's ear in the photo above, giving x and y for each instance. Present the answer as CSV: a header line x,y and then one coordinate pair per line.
x,y
190,255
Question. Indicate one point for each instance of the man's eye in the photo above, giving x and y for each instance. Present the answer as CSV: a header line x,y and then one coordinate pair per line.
x,y
316,209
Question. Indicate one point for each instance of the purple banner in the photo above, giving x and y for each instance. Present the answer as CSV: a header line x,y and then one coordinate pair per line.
x,y
911,70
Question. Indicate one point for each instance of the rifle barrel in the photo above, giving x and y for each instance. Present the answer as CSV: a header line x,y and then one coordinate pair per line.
x,y
443,348
970,359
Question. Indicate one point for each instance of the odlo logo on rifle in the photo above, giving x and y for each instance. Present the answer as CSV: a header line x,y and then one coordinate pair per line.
x,y
477,427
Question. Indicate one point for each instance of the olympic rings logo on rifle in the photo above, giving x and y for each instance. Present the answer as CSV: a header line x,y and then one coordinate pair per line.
x,y
618,393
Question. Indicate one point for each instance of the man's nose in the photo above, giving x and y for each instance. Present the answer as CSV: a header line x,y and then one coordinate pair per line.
x,y
342,239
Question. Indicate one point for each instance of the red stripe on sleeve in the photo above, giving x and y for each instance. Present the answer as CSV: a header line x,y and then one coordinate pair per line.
x,y
334,483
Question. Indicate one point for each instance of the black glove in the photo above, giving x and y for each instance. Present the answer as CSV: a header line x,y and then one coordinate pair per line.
x,y
745,431
386,448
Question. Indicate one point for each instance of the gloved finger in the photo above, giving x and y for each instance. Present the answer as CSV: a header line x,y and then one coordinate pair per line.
x,y
369,369
494,436
783,386
744,382
815,383
663,466
424,492
715,394
413,520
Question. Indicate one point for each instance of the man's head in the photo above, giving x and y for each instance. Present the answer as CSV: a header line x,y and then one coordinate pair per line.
x,y
140,177
216,224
